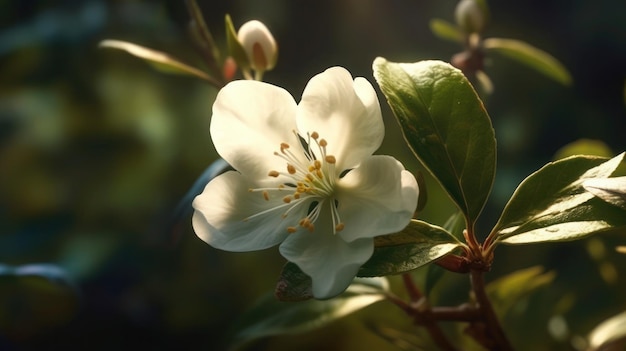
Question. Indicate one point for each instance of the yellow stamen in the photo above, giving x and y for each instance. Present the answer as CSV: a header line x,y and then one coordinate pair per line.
x,y
273,174
266,196
330,159
291,230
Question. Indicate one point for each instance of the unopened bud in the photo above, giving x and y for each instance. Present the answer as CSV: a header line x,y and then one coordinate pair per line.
x,y
470,16
259,45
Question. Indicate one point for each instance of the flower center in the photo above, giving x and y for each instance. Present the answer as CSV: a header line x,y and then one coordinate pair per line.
x,y
311,180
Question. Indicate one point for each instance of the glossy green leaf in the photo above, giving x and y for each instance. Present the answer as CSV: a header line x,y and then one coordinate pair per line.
x,y
446,30
159,60
531,56
611,190
418,244
445,124
610,332
509,290
235,49
552,204
272,317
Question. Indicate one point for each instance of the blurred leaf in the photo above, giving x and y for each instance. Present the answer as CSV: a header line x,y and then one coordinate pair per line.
x,y
159,60
418,244
584,147
201,31
509,290
612,330
235,49
445,124
272,317
293,284
485,82
35,297
532,57
446,30
416,340
552,205
611,190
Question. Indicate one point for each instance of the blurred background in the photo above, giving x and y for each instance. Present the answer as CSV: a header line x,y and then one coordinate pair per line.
x,y
97,149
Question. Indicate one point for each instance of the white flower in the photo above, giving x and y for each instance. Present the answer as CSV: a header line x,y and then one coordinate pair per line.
x,y
306,177
259,45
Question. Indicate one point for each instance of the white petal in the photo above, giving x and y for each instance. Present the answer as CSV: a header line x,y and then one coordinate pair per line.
x,y
378,197
344,112
331,263
220,211
250,120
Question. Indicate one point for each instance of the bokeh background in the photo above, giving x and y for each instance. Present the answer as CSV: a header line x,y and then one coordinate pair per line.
x,y
97,149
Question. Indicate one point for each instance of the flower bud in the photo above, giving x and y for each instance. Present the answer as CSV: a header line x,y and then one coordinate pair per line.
x,y
259,45
470,16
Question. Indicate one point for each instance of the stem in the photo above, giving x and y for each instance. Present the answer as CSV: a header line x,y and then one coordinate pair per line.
x,y
495,339
423,315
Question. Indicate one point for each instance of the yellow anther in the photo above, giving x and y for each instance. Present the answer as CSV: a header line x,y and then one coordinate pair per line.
x,y
319,174
266,196
273,174
287,199
311,168
323,143
291,169
339,227
311,227
291,230
296,196
331,159
317,164
310,177
283,146
314,135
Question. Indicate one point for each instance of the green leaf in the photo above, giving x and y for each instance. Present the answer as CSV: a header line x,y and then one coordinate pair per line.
x,y
272,317
418,244
611,190
552,205
446,30
235,49
445,124
158,60
529,55
609,332
509,290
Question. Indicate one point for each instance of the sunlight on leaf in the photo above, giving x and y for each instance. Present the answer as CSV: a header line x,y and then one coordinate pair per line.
x,y
552,205
531,56
584,147
445,124
612,330
418,244
611,190
159,60
270,316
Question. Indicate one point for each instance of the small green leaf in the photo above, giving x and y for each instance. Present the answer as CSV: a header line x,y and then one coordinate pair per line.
x,y
445,124
157,59
529,55
418,244
507,291
609,332
552,205
235,49
446,30
272,317
611,190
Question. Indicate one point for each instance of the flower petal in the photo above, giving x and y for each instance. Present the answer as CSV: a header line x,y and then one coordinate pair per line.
x,y
221,208
250,120
378,197
343,111
331,263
